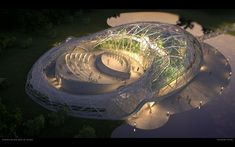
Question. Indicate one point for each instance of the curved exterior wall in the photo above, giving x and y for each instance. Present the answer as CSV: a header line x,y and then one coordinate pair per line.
x,y
171,57
78,87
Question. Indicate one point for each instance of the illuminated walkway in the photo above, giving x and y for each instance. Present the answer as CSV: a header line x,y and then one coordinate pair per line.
x,y
213,80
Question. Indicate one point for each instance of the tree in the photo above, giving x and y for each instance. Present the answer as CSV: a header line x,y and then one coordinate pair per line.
x,y
206,30
4,83
57,119
26,43
10,121
86,132
34,127
6,41
185,23
54,119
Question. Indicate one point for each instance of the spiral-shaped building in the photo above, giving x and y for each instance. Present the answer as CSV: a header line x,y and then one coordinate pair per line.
x,y
112,73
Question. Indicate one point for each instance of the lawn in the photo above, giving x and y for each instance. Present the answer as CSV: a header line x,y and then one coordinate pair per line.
x,y
16,62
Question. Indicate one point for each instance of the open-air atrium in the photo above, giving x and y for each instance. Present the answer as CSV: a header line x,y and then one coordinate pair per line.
x,y
112,74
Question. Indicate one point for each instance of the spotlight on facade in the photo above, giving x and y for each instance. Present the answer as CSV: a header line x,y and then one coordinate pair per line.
x,y
203,68
227,61
200,104
168,114
151,104
221,89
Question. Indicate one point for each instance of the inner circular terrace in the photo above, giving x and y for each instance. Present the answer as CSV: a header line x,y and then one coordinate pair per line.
x,y
93,70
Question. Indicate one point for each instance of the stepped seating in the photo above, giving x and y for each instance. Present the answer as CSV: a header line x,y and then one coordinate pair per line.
x,y
79,64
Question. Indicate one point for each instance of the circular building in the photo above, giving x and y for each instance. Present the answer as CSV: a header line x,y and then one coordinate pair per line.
x,y
112,73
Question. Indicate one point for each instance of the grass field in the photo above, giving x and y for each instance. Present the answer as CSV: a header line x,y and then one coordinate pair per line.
x,y
16,62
